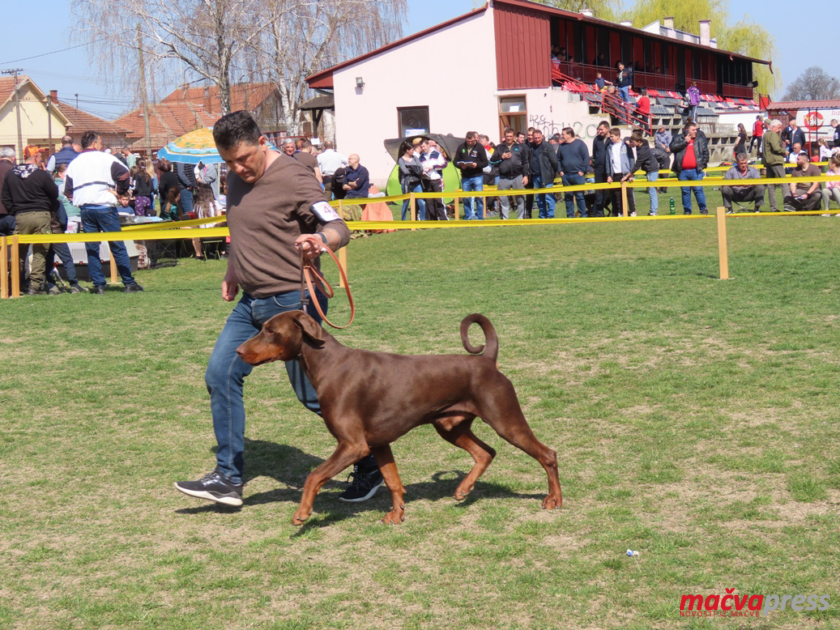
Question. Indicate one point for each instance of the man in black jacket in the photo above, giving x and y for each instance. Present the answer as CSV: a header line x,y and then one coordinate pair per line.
x,y
514,165
624,81
470,159
544,167
31,196
797,136
836,127
599,166
646,161
691,156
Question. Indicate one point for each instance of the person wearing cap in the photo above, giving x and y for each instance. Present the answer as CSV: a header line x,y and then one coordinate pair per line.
x,y
31,196
804,195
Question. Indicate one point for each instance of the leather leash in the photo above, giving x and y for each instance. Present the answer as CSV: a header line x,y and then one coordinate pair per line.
x,y
311,278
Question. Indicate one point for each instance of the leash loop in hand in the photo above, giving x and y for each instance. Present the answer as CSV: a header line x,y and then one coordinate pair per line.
x,y
312,279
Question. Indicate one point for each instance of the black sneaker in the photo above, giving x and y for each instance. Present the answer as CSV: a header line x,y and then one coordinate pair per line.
x,y
364,485
213,487
133,288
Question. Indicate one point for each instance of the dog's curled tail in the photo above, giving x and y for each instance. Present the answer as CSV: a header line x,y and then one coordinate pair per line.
x,y
491,343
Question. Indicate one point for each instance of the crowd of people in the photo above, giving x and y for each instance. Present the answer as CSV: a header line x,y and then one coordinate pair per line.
x,y
87,188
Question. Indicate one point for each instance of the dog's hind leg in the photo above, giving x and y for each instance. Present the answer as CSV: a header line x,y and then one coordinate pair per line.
x,y
388,467
500,409
462,436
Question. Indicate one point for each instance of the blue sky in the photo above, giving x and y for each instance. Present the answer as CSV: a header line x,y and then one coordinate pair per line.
x,y
70,72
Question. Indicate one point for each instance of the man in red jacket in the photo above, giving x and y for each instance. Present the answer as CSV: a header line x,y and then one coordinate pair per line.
x,y
758,132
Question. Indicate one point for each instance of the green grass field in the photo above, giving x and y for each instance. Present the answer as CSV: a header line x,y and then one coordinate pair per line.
x,y
695,422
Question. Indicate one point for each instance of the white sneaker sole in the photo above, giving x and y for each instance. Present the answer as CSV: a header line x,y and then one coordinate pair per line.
x,y
366,497
201,494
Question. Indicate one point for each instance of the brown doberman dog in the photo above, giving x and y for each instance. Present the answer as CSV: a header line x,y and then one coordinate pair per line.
x,y
370,399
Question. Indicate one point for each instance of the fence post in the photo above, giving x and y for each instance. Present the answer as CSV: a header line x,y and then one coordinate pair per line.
x,y
4,269
342,258
341,208
115,277
624,199
15,267
412,201
457,201
723,251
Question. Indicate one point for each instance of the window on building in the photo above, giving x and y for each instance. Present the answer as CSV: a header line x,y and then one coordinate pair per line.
x,y
413,121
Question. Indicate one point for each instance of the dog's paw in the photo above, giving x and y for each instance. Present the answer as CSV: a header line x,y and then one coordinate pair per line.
x,y
552,502
462,492
299,518
394,517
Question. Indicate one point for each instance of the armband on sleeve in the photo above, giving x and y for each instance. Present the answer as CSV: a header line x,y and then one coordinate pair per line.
x,y
324,212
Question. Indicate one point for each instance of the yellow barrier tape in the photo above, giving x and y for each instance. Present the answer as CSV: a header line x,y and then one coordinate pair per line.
x,y
172,225
93,237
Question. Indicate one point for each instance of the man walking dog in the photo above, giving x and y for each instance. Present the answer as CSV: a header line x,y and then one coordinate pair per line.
x,y
275,210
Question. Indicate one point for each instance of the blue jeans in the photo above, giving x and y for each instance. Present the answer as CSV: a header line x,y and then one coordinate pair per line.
x,y
692,174
545,201
574,179
186,201
624,93
105,219
653,176
226,372
469,184
421,205
63,252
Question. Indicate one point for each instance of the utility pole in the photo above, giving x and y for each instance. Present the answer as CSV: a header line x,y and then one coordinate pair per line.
x,y
49,122
143,93
14,72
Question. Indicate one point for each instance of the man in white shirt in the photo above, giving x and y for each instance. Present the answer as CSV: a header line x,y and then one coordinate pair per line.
x,y
329,162
433,164
93,182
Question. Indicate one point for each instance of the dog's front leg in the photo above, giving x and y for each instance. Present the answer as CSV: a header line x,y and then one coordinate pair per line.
x,y
385,460
345,454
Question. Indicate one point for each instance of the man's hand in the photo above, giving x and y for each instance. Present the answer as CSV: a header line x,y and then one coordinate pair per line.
x,y
230,285
525,180
580,173
609,180
310,244
507,155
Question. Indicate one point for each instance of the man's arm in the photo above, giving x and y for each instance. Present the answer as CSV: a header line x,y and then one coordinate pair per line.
x,y
68,188
584,154
318,175
121,176
6,196
482,157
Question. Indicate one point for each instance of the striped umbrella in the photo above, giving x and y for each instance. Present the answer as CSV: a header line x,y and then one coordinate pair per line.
x,y
194,147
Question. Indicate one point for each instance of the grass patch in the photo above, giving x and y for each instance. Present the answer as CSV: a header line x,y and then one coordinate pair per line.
x,y
694,422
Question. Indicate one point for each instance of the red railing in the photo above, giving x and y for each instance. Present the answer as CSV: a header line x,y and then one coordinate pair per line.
x,y
609,104
588,73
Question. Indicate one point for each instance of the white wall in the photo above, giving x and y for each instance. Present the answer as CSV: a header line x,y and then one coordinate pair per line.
x,y
424,72
552,109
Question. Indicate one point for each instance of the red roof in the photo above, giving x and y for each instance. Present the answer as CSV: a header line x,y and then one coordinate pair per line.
x,y
246,96
830,104
82,121
7,89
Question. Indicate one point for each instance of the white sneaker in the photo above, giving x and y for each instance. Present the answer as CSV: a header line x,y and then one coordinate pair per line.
x,y
653,214
632,214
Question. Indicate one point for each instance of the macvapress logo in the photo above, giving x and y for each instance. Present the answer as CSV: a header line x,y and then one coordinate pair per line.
x,y
732,605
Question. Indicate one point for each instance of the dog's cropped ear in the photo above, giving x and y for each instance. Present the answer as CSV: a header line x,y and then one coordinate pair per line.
x,y
311,330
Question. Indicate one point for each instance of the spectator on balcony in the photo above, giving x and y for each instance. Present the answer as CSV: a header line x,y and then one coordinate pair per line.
x,y
691,156
643,110
773,157
758,132
600,155
574,162
601,83
805,195
693,97
601,61
620,163
742,194
741,144
624,81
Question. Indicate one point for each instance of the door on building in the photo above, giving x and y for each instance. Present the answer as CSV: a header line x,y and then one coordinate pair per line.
x,y
512,113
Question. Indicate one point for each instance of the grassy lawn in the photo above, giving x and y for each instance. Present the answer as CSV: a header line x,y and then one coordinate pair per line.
x,y
695,422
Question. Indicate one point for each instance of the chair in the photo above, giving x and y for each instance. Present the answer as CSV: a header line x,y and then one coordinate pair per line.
x,y
213,247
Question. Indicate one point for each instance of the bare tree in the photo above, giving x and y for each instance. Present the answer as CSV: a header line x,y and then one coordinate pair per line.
x,y
302,37
815,84
204,36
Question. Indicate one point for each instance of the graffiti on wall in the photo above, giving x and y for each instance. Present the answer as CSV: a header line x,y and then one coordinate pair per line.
x,y
551,127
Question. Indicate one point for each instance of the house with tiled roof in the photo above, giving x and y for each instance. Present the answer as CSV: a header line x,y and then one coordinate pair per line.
x,y
39,120
112,134
188,108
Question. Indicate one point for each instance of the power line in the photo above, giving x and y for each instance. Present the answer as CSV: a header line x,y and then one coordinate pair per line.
x,y
54,52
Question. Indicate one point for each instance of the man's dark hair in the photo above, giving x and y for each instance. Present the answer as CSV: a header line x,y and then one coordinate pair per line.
x,y
88,138
604,123
234,128
689,125
643,92
509,130
637,136
569,131
66,141
615,131
471,135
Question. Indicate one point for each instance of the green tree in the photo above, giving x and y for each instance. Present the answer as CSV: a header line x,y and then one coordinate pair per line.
x,y
744,36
